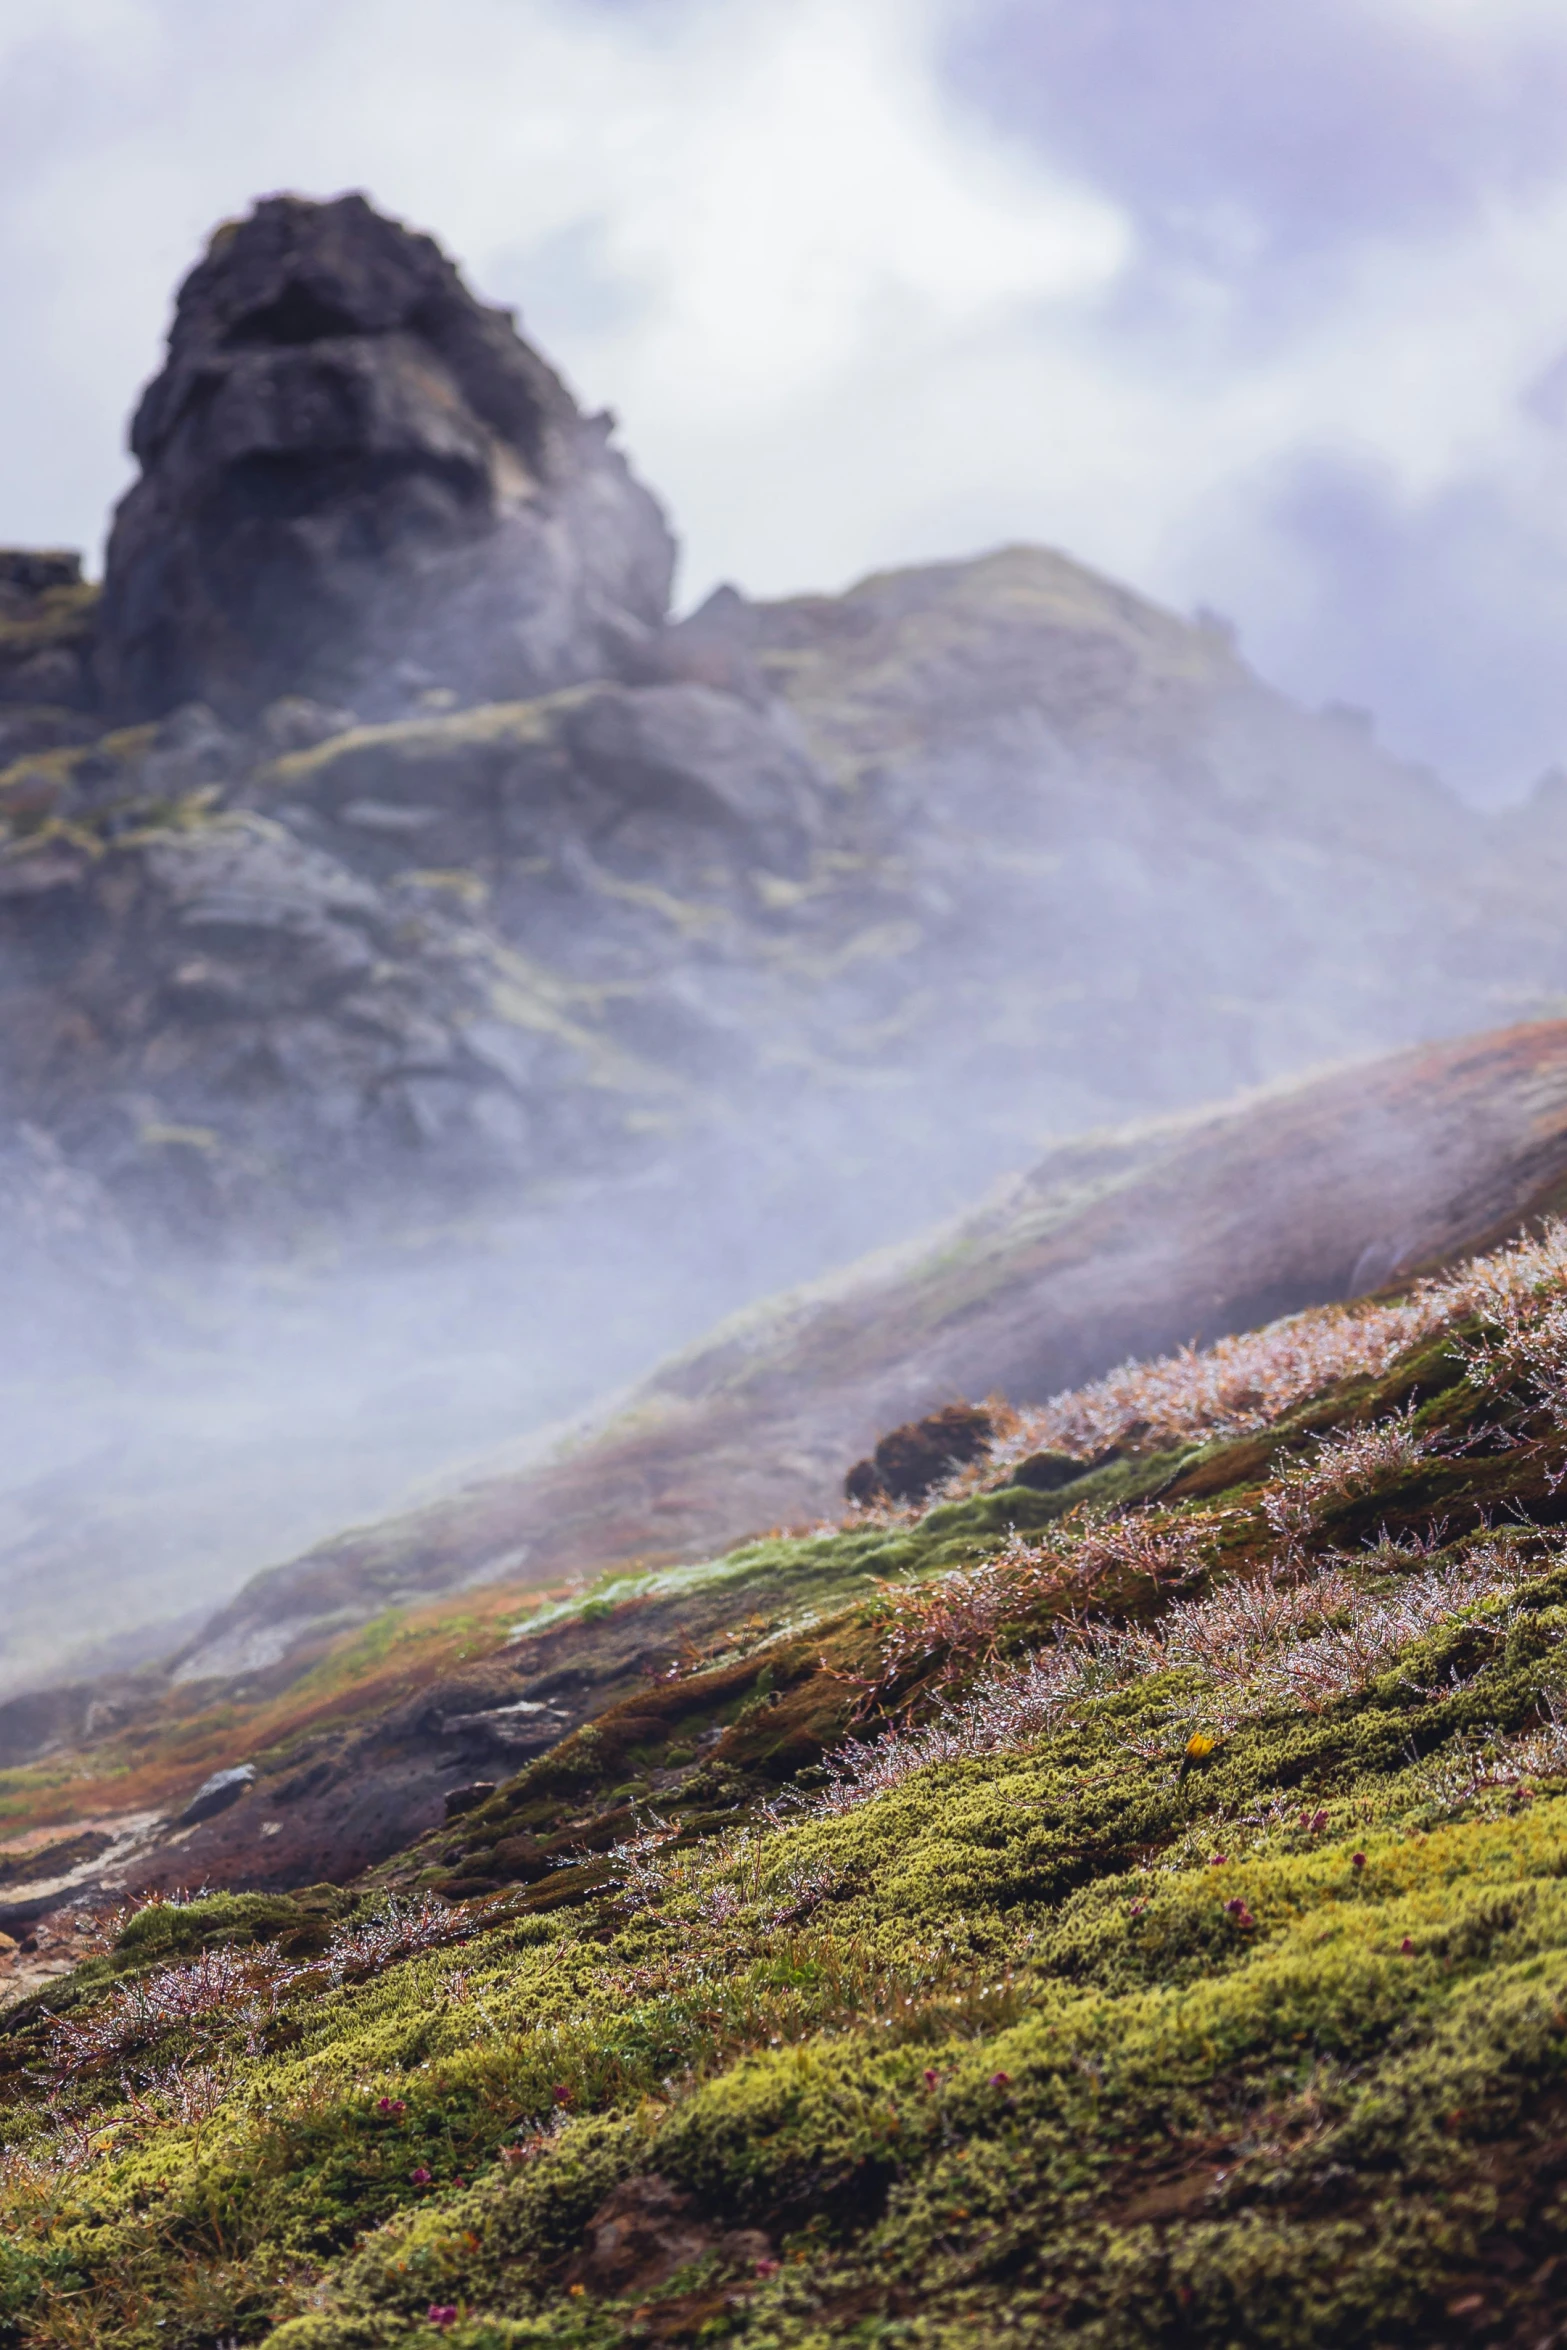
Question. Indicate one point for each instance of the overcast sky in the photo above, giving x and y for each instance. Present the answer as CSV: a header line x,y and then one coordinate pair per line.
x,y
1258,304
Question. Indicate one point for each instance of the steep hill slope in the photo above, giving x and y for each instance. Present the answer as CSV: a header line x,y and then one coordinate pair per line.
x,y
352,1696
1133,1921
386,879
1122,1244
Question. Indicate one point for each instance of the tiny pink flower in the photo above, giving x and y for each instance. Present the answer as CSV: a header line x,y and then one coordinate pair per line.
x,y
931,2077
1218,1861
419,2177
1406,1948
1357,1860
1001,2080
767,2268
561,2093
442,2313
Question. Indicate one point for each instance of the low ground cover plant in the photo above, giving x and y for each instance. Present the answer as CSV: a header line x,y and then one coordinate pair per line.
x,y
1160,1938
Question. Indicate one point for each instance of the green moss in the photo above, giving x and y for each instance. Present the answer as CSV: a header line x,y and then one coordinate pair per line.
x,y
1096,2037
166,1931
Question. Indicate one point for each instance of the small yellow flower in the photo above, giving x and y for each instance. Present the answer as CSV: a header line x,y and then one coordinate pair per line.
x,y
1200,1743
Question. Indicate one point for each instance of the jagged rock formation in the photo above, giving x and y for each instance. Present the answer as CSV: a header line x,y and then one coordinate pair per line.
x,y
359,482
968,854
456,870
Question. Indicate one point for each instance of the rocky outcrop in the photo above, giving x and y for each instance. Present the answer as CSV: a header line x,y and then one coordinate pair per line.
x,y
48,622
456,873
360,483
426,961
809,919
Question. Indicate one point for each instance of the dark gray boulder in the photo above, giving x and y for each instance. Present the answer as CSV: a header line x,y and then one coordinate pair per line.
x,y
47,618
217,1793
358,483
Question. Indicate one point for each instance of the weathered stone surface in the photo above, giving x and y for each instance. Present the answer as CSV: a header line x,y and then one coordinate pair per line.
x,y
909,1460
693,753
1117,1245
458,1800
980,851
47,625
217,1793
359,483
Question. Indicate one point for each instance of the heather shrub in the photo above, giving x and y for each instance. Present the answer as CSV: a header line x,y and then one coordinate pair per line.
x,y
1247,1382
1173,1946
1343,1468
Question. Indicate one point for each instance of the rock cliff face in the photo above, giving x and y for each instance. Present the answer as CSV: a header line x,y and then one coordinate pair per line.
x,y
440,868
895,883
357,481
48,625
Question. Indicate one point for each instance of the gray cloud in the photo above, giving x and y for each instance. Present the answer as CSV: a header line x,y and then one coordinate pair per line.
x,y
1253,305
1316,126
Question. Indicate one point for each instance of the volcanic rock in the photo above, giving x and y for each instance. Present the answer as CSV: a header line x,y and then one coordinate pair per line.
x,y
47,618
909,1460
217,1793
458,1800
359,483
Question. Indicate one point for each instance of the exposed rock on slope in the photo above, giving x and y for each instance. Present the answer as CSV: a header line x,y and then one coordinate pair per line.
x,y
356,480
48,621
458,872
931,898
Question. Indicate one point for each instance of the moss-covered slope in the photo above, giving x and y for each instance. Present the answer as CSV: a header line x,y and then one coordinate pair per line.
x,y
1140,1925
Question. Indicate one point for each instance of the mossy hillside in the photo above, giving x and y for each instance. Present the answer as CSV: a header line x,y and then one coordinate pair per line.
x,y
1201,2016
1007,2043
629,1622
804,1614
759,1705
